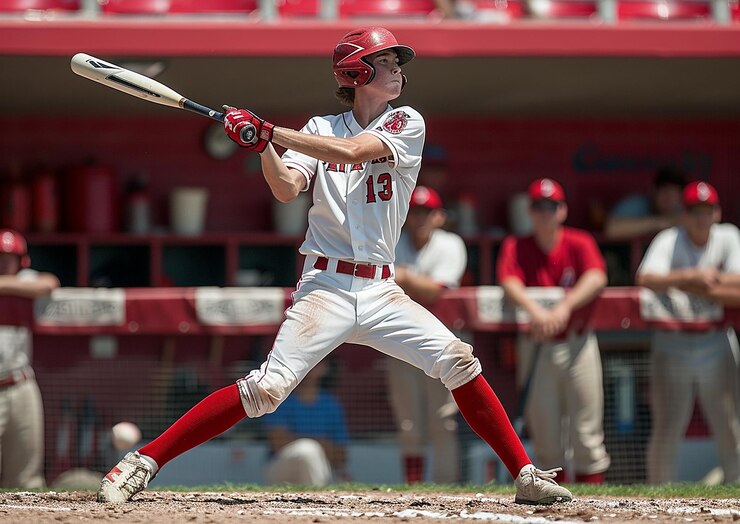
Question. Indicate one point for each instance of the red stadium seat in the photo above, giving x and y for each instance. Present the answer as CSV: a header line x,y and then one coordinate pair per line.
x,y
663,10
134,7
562,8
298,8
385,8
20,6
213,6
498,10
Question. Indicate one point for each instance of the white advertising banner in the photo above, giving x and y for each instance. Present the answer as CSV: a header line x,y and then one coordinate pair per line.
x,y
678,305
239,306
494,308
81,307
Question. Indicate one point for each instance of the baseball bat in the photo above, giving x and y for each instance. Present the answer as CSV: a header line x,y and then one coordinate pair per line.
x,y
137,85
524,392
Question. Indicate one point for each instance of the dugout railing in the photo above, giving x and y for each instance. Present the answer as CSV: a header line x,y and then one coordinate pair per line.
x,y
147,355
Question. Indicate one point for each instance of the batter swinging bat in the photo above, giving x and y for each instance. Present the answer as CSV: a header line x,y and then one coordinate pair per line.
x,y
136,85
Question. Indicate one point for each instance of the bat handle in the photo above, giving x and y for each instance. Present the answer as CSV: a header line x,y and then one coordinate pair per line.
x,y
210,113
195,107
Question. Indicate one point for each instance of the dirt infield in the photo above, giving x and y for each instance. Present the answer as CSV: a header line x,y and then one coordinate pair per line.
x,y
350,507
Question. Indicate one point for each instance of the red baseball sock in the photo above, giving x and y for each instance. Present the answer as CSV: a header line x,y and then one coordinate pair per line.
x,y
210,417
484,413
414,467
590,478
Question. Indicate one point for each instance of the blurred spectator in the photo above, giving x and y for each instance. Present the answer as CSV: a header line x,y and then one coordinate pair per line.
x,y
641,215
428,261
559,369
489,11
21,409
446,8
701,257
308,435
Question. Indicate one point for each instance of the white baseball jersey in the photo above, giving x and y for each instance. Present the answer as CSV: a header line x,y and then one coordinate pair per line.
x,y
672,249
358,210
357,214
15,341
443,258
693,364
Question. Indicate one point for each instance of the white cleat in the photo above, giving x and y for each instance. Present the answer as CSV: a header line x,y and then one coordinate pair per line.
x,y
125,480
534,486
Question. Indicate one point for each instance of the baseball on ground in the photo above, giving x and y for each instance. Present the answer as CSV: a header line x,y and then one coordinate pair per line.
x,y
125,435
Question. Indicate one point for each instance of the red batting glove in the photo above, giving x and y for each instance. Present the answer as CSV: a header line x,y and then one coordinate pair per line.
x,y
247,129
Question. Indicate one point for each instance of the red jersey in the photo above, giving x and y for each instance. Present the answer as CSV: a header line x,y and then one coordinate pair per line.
x,y
575,253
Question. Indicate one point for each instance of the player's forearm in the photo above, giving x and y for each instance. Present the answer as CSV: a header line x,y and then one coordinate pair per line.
x,y
620,228
39,287
678,278
361,148
420,288
730,279
284,183
516,291
586,289
724,294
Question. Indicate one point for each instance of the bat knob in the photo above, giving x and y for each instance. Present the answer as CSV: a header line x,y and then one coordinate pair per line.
x,y
248,134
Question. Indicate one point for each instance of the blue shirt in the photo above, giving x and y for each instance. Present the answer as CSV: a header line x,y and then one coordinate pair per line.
x,y
324,419
633,206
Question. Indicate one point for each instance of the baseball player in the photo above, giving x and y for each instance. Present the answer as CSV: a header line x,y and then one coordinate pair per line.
x,y
428,261
701,257
562,365
363,165
21,409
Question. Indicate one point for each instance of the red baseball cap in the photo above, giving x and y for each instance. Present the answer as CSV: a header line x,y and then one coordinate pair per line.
x,y
700,193
546,189
13,242
426,197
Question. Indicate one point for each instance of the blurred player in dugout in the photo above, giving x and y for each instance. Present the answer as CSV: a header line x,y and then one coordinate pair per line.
x,y
643,215
700,257
21,409
308,435
561,364
428,261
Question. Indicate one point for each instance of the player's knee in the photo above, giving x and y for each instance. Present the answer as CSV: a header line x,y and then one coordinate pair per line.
x,y
456,365
263,396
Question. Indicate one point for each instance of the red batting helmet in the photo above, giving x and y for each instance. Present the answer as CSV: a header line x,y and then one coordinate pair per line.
x,y
350,67
14,243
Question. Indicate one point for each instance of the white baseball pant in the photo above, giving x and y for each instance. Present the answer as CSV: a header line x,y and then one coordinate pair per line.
x,y
331,308
685,365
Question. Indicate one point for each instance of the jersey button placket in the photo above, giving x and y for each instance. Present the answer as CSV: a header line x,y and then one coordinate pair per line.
x,y
354,215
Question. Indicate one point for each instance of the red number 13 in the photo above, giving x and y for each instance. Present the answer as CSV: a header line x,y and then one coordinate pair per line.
x,y
386,189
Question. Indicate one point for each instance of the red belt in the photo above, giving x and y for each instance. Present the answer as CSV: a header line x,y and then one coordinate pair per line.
x,y
358,270
16,377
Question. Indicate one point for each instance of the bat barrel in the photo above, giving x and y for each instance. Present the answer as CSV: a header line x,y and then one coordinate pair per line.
x,y
124,80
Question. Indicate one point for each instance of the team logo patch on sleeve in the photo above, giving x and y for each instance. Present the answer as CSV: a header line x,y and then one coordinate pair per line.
x,y
396,122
